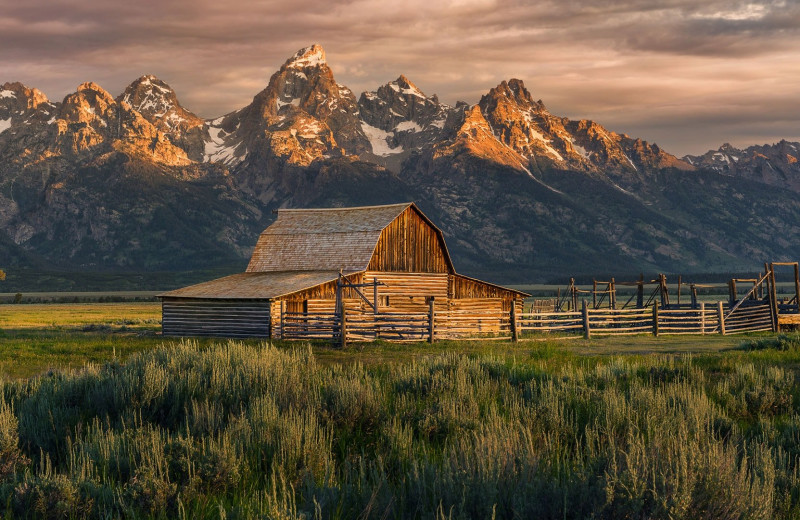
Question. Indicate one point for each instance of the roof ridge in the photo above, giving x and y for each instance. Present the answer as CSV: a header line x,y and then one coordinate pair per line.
x,y
406,204
372,230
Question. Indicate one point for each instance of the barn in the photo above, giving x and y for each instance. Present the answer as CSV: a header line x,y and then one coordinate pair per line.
x,y
312,266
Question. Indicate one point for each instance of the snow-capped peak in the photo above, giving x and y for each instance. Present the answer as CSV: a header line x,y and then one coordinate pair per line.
x,y
404,86
313,56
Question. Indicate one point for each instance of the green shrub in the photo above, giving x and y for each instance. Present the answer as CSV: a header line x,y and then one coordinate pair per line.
x,y
11,457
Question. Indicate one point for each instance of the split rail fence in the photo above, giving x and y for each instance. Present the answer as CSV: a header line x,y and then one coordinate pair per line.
x,y
454,324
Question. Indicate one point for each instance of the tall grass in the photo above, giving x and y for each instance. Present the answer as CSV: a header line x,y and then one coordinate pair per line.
x,y
239,431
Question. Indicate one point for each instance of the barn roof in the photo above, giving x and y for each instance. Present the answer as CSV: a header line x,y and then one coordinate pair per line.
x,y
246,286
325,239
304,248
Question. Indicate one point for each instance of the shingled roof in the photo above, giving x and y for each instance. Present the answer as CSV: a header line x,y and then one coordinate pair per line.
x,y
254,285
307,247
322,239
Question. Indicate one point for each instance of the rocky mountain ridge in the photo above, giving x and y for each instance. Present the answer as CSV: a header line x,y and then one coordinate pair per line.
x,y
776,164
98,181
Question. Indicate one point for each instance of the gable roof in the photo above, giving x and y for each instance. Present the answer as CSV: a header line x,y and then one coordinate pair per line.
x,y
326,239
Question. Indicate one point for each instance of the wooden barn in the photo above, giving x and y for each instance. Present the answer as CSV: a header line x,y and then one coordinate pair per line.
x,y
384,265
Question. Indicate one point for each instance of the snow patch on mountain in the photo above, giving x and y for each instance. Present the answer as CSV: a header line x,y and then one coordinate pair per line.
x,y
407,126
7,94
5,124
219,147
580,149
378,139
535,134
410,91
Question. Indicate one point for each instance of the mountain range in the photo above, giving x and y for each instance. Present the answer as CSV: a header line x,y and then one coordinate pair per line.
x,y
138,183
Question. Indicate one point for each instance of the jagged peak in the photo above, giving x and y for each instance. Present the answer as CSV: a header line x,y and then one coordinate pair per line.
x,y
473,117
405,86
11,89
158,103
90,85
146,88
14,89
148,80
313,56
515,90
98,91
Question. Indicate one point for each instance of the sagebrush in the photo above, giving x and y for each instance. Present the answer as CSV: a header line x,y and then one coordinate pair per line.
x,y
239,431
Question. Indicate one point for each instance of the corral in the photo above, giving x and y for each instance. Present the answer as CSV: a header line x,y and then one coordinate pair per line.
x,y
347,273
384,272
597,310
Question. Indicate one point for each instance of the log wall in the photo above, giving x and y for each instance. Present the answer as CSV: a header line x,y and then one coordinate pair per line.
x,y
461,287
226,318
407,292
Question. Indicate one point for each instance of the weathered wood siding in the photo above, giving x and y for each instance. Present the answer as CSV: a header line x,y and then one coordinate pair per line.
x,y
461,287
408,292
468,316
318,299
324,291
410,244
226,318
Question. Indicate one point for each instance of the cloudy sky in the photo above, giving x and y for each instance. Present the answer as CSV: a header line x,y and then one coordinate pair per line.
x,y
686,74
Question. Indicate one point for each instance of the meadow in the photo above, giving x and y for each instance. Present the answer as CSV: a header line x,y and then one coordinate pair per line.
x,y
674,428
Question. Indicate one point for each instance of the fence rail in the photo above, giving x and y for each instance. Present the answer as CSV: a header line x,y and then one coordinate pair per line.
x,y
454,324
653,320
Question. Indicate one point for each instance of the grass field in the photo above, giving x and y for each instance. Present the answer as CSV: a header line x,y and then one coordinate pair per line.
x,y
118,422
36,338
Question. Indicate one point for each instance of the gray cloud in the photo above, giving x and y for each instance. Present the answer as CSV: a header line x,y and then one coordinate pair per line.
x,y
716,70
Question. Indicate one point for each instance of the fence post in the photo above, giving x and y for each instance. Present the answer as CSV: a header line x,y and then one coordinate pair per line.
x,y
612,287
514,331
574,291
773,300
703,318
586,332
797,285
344,326
283,312
640,292
655,319
431,318
721,317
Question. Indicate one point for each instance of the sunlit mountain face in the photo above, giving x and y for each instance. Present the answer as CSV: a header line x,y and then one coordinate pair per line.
x,y
138,182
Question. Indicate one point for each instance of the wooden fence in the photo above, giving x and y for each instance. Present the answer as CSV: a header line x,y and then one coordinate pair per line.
x,y
368,326
718,319
460,324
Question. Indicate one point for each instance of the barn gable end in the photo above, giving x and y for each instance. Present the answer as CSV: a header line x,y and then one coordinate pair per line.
x,y
411,243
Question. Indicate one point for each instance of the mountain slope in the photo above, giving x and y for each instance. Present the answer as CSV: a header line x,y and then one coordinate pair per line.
x,y
138,182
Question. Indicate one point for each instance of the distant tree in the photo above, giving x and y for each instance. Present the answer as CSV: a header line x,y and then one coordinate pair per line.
x,y
2,275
